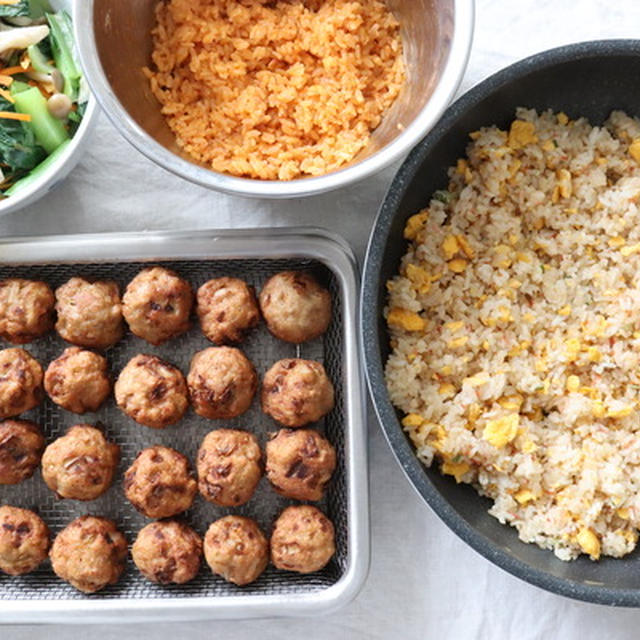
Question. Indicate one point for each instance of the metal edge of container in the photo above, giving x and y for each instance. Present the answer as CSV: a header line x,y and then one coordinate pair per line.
x,y
293,242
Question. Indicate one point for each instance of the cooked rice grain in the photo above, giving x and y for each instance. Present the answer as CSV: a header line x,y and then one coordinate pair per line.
x,y
515,329
275,89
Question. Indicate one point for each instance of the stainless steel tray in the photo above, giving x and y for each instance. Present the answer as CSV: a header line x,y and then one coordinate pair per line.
x,y
199,255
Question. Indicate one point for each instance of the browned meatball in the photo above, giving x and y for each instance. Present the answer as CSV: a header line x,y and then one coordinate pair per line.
x,y
78,380
300,463
222,383
89,553
229,467
21,445
89,313
296,392
26,310
167,551
160,483
20,382
81,464
157,304
236,549
152,391
295,307
302,539
227,309
24,540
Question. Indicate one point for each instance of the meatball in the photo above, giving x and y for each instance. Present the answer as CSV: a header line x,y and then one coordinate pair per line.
x,y
300,463
21,446
236,549
227,309
89,313
81,464
152,392
78,380
26,310
222,382
157,304
229,467
302,539
160,483
20,382
24,540
296,392
295,307
167,551
89,553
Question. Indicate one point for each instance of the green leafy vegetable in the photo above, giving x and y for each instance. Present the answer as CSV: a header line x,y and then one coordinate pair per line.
x,y
61,37
38,171
25,9
443,196
39,61
19,150
49,132
18,10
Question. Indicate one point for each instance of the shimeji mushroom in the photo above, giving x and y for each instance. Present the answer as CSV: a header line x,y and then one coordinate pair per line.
x,y
22,37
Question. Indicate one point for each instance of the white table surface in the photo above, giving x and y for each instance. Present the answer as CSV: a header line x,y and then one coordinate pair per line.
x,y
424,582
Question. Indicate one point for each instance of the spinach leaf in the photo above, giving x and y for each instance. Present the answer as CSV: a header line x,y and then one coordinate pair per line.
x,y
18,147
19,9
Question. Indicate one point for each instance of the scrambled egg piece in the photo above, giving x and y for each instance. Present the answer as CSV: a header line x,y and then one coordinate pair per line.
x,y
524,495
455,469
634,149
589,542
450,246
415,224
501,431
412,420
419,277
521,134
405,319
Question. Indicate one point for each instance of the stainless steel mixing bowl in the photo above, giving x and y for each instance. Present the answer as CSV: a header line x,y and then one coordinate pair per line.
x,y
115,43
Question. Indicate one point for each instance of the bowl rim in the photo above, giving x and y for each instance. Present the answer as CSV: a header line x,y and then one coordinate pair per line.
x,y
461,41
413,469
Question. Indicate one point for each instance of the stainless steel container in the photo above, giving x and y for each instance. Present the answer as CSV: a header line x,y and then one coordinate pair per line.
x,y
114,40
199,256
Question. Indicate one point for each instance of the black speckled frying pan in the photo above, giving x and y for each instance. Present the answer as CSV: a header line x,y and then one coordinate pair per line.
x,y
589,79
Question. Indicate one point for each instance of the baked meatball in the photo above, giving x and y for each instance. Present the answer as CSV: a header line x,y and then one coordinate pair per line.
x,y
227,309
157,304
295,307
24,540
229,467
89,313
78,380
81,464
167,551
300,463
26,310
152,391
160,483
236,549
302,539
21,446
296,392
89,553
222,382
20,382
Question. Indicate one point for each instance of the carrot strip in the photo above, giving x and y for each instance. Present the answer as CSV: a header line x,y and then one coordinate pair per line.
x,y
7,96
12,115
9,71
6,80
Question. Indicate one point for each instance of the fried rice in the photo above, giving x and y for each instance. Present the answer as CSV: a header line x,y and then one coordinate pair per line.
x,y
515,329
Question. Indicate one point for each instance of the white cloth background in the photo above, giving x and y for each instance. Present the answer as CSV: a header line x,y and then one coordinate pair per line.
x,y
424,582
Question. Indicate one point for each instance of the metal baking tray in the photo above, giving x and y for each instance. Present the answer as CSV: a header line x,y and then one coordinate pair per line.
x,y
252,254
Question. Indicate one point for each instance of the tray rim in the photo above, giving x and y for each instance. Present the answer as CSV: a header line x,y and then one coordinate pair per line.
x,y
221,244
